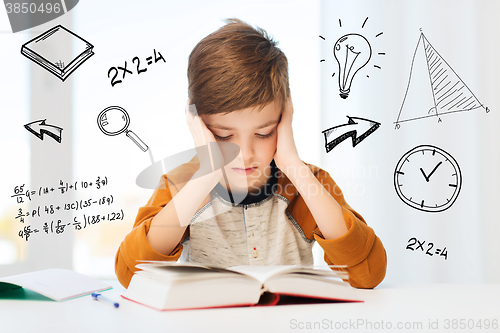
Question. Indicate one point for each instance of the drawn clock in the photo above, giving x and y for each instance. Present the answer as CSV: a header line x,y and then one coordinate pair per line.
x,y
428,179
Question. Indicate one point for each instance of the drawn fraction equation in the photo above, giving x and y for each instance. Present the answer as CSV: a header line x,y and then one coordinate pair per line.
x,y
39,211
58,227
113,72
430,248
51,222
20,193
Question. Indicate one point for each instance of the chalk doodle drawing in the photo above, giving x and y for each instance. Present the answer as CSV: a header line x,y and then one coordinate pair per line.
x,y
429,251
39,128
428,179
59,51
31,217
448,93
137,61
115,120
356,128
352,52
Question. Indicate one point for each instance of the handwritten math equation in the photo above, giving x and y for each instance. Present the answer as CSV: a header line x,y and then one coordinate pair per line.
x,y
58,226
52,209
113,72
415,245
21,194
51,224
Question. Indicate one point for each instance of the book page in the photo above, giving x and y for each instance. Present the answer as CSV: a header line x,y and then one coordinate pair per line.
x,y
263,273
173,271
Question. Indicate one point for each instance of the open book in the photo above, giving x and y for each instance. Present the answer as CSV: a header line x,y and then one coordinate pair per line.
x,y
175,286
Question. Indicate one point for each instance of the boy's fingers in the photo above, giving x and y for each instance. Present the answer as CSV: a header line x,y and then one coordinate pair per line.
x,y
290,105
195,125
287,114
189,114
192,109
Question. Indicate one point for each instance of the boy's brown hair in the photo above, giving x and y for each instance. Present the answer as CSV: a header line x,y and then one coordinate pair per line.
x,y
237,67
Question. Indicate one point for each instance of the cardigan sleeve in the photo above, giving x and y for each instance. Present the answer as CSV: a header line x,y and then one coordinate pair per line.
x,y
135,246
359,249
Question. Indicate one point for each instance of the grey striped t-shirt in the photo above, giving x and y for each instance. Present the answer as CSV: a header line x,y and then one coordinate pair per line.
x,y
261,233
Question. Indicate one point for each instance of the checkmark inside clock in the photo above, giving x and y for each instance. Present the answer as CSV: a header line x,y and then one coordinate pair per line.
x,y
427,178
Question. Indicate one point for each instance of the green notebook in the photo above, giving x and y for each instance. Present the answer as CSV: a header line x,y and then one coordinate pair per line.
x,y
56,284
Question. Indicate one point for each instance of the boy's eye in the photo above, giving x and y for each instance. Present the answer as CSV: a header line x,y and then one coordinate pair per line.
x,y
260,136
265,136
221,138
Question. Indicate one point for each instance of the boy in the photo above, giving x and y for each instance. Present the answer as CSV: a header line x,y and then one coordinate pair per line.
x,y
239,93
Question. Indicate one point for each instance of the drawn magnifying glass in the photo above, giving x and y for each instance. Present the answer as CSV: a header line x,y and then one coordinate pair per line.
x,y
114,120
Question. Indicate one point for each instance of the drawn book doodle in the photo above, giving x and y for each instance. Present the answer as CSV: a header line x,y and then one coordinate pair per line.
x,y
50,50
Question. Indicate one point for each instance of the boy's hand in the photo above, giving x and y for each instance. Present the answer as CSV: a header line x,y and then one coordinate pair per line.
x,y
286,152
199,131
209,154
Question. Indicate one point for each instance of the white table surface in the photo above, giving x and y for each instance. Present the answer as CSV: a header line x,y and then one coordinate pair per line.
x,y
398,308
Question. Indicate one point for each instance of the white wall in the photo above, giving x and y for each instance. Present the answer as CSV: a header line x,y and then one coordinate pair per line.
x,y
466,34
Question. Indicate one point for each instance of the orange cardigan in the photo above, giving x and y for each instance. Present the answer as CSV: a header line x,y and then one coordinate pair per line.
x,y
359,249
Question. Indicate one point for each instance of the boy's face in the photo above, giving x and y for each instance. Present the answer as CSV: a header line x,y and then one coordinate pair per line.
x,y
255,132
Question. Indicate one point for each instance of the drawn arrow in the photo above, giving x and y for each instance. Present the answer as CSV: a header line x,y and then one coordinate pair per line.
x,y
353,127
39,128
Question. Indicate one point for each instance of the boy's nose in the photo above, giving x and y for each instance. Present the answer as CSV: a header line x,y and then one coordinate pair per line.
x,y
247,150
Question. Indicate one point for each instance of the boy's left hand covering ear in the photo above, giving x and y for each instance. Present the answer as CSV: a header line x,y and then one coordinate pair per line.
x,y
286,151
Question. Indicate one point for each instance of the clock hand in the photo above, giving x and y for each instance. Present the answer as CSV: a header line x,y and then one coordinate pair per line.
x,y
426,178
434,170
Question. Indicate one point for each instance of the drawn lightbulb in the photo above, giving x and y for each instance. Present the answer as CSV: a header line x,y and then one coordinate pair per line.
x,y
352,52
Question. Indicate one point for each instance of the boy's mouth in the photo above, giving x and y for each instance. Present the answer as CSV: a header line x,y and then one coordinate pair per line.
x,y
246,171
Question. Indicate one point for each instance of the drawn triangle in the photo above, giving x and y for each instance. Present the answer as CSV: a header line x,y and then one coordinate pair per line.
x,y
418,100
450,93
